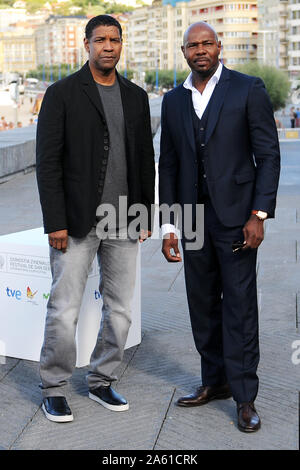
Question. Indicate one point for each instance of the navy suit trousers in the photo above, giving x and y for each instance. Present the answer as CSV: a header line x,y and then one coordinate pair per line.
x,y
222,298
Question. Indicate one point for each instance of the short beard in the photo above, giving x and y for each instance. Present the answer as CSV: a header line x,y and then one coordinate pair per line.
x,y
206,73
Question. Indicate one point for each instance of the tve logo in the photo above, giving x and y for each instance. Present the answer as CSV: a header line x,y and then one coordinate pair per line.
x,y
13,293
30,294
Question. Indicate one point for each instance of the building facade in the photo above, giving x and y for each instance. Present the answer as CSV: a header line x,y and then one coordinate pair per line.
x,y
155,33
273,33
60,41
294,39
236,23
17,50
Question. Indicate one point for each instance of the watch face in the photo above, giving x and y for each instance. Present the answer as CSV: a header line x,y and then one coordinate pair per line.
x,y
262,215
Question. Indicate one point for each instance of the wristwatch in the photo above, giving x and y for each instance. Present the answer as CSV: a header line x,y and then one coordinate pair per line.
x,y
260,214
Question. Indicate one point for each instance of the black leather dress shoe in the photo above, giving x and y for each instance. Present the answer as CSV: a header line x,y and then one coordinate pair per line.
x,y
109,398
205,394
248,419
57,409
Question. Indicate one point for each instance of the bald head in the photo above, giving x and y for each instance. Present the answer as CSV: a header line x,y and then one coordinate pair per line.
x,y
201,50
199,25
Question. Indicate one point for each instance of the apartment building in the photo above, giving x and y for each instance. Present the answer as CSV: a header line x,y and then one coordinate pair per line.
x,y
236,23
294,38
17,50
155,33
60,40
11,15
123,20
273,33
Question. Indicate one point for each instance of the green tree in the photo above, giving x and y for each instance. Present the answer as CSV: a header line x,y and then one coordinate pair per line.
x,y
165,77
56,71
34,5
6,3
115,7
276,81
128,71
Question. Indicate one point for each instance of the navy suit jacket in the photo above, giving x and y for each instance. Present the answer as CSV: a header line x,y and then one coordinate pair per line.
x,y
241,153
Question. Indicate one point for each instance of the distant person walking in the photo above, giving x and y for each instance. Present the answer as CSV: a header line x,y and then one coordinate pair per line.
x,y
292,117
3,124
297,121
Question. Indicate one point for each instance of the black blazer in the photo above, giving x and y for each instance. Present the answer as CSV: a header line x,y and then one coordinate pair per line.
x,y
241,152
70,149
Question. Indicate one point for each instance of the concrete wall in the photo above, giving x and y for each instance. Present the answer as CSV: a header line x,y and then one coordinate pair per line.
x,y
17,151
17,146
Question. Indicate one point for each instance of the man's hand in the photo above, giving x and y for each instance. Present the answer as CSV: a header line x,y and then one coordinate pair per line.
x,y
253,232
59,240
170,242
144,235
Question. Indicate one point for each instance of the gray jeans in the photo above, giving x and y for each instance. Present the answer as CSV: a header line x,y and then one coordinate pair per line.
x,y
117,264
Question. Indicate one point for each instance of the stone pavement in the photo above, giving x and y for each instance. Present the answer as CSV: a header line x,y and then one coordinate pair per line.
x,y
166,364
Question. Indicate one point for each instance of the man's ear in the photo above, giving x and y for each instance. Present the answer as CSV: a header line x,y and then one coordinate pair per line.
x,y
86,45
182,50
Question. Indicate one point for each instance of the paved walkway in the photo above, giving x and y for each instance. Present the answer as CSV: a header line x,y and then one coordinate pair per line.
x,y
166,364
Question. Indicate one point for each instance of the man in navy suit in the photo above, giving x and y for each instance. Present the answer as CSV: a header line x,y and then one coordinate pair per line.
x,y
219,147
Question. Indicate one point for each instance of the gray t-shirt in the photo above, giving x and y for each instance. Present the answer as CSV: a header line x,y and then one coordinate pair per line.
x,y
115,183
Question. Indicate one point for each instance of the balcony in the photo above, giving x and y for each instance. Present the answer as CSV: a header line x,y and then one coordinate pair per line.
x,y
283,27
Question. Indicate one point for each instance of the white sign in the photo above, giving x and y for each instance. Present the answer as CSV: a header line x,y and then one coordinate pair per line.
x,y
25,282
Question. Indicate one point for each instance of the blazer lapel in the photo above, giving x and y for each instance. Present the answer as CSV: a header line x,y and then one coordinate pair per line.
x,y
186,110
90,88
217,102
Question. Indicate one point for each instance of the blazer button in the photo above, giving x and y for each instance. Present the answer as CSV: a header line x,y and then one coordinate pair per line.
x,y
204,176
106,147
196,185
202,145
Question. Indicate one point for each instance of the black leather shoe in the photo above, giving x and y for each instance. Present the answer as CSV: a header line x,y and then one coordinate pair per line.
x,y
205,394
109,398
57,409
248,419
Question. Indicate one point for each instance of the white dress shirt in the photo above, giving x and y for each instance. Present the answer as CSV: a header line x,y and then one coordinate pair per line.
x,y
200,102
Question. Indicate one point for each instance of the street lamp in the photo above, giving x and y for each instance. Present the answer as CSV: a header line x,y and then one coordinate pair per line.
x,y
156,61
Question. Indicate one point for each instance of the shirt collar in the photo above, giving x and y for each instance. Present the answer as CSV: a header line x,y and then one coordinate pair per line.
x,y
215,78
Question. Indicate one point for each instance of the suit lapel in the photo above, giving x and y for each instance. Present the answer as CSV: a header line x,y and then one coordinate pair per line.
x,y
186,110
217,102
90,88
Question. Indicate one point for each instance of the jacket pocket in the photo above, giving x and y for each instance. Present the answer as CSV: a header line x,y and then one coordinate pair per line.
x,y
244,177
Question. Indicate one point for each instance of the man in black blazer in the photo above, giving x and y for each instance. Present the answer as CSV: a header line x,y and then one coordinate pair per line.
x,y
219,147
94,145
